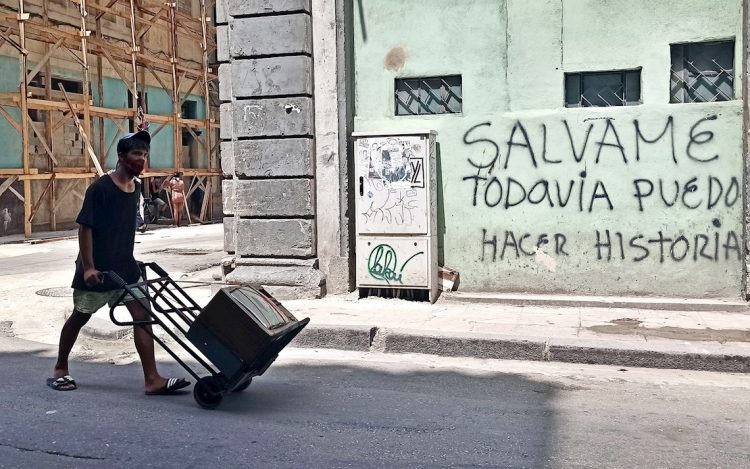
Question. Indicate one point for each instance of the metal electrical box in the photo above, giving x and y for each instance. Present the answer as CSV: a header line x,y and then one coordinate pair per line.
x,y
396,204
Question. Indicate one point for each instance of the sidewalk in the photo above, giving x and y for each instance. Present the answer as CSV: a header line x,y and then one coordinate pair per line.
x,y
625,332
706,335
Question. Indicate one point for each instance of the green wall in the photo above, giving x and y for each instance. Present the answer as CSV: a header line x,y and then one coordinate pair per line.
x,y
515,132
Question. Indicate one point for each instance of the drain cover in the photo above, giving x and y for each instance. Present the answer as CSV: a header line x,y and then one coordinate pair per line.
x,y
56,292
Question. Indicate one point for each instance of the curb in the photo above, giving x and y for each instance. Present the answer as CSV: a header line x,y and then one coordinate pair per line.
x,y
656,304
99,328
374,339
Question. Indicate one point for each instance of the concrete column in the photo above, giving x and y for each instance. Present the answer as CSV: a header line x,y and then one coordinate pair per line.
x,y
268,145
331,143
746,138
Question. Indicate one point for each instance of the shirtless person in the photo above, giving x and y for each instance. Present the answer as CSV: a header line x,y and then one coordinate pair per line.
x,y
177,186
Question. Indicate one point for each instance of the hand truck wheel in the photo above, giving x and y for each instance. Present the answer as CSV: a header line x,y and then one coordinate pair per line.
x,y
207,392
244,385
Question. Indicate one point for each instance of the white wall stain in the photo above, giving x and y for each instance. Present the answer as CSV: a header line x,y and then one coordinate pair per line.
x,y
544,259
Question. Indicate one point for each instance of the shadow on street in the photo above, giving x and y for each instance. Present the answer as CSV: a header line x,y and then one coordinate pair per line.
x,y
316,416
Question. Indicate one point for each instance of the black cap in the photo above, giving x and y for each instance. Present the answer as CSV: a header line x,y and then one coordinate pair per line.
x,y
124,144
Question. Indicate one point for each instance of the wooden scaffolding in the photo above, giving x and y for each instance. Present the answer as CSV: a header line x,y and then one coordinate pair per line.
x,y
145,44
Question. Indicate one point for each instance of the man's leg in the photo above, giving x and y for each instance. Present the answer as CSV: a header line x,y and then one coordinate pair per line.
x,y
68,337
144,345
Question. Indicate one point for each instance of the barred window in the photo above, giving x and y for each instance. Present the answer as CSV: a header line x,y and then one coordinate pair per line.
x,y
603,89
431,95
702,72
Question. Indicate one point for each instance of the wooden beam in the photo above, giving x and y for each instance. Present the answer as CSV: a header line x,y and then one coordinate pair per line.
x,y
7,183
83,133
75,57
149,23
43,141
111,113
43,62
161,82
58,176
13,43
10,119
52,205
41,197
97,45
190,90
101,13
20,197
22,19
116,67
206,198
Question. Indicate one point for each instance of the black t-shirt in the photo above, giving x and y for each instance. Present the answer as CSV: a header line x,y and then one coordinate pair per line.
x,y
110,213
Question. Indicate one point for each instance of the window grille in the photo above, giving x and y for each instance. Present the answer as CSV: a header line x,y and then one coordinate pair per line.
x,y
432,95
702,72
603,89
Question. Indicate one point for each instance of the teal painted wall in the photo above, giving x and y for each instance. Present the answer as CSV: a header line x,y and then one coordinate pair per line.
x,y
162,146
515,136
115,94
11,156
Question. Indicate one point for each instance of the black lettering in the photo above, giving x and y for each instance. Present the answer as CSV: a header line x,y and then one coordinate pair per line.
x,y
732,244
701,138
510,240
639,193
508,203
520,245
602,143
492,243
580,191
711,202
716,247
734,189
542,240
676,193
673,249
639,137
622,245
496,181
700,248
526,145
491,164
661,241
560,241
597,195
689,188
578,156
634,245
545,193
544,147
559,195
599,245
476,179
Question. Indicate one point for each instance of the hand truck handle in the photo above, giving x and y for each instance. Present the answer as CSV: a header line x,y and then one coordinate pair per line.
x,y
116,279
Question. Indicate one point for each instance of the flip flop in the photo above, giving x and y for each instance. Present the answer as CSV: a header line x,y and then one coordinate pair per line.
x,y
64,383
172,385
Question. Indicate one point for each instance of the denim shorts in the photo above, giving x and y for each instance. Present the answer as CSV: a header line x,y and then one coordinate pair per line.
x,y
89,302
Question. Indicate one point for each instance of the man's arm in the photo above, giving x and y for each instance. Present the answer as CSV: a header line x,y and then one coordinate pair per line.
x,y
86,245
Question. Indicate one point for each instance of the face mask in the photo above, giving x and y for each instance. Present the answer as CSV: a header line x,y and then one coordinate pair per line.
x,y
136,167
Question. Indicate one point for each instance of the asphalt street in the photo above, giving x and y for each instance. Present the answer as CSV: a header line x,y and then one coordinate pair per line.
x,y
328,409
